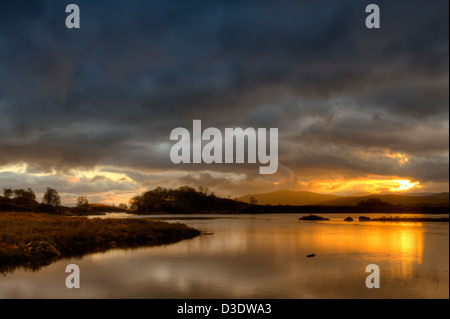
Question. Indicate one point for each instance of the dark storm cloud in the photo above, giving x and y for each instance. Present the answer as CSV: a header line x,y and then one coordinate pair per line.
x,y
111,92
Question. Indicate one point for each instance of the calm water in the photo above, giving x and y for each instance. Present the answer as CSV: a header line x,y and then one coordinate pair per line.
x,y
259,256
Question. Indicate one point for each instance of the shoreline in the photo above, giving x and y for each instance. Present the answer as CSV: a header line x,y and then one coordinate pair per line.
x,y
316,210
31,240
410,219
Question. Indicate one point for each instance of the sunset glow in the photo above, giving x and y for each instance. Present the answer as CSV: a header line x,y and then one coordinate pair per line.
x,y
367,185
99,180
404,185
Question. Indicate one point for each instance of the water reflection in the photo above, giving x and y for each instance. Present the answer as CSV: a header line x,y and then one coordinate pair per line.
x,y
401,243
260,257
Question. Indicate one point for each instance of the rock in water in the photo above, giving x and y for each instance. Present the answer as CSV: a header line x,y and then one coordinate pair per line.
x,y
348,219
309,256
313,217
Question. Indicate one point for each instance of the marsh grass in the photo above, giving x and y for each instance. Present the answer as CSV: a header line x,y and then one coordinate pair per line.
x,y
22,236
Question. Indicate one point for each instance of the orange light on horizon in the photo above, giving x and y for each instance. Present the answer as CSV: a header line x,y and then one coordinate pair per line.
x,y
372,185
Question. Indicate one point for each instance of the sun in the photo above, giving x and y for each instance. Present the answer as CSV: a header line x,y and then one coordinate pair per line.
x,y
404,184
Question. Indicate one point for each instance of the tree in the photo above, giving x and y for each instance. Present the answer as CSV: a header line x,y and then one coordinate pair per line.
x,y
123,206
51,197
7,192
82,202
27,194
253,200
136,202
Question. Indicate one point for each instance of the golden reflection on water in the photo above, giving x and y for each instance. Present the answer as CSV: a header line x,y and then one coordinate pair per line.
x,y
400,243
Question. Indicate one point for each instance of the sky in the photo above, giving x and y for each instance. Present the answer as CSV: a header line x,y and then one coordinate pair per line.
x,y
89,111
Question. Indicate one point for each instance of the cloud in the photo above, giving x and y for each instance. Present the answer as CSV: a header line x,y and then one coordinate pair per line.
x,y
109,93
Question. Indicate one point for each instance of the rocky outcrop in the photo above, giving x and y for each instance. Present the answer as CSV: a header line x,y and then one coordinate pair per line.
x,y
41,250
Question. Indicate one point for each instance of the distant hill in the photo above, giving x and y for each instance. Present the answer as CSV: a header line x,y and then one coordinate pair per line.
x,y
441,199
287,197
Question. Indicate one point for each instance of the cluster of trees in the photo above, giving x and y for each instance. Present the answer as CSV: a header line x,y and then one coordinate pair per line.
x,y
19,193
182,199
51,196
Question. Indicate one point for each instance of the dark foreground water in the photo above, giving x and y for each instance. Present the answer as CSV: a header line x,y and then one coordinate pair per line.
x,y
259,256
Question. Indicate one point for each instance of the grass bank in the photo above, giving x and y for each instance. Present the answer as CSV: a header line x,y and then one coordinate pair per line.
x,y
33,240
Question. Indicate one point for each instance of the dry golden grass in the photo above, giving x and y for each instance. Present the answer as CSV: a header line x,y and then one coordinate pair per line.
x,y
72,236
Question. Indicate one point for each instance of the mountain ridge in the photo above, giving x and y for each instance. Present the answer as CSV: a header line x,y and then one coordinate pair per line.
x,y
303,198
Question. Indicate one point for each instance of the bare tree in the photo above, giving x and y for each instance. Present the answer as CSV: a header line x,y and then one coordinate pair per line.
x,y
82,202
51,197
